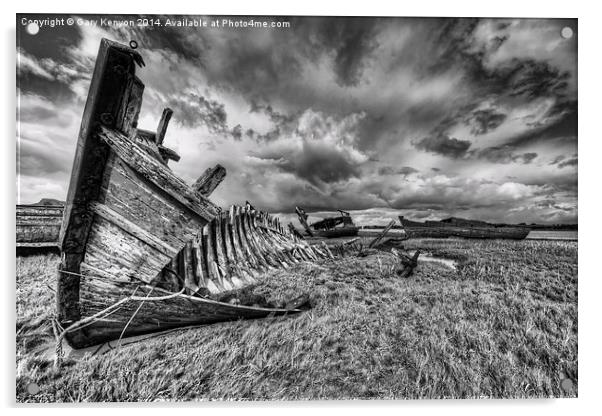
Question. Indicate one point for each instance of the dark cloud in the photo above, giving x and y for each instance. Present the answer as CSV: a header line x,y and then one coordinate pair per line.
x,y
563,125
483,121
194,110
438,84
444,145
504,154
557,159
352,40
570,162
316,163
390,170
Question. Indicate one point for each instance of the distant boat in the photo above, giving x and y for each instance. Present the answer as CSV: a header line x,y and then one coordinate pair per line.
x,y
331,227
460,227
38,226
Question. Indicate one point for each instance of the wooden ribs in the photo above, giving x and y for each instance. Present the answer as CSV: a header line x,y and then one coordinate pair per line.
x,y
233,251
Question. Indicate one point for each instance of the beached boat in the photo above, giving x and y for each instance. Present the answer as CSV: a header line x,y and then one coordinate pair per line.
x,y
141,250
38,226
331,227
460,227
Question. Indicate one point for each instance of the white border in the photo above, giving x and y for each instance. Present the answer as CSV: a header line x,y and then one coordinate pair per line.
x,y
589,189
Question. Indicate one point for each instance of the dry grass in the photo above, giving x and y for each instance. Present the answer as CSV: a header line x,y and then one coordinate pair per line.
x,y
503,325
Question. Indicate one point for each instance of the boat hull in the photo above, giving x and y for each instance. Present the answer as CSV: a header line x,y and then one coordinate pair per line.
x,y
38,226
142,251
433,229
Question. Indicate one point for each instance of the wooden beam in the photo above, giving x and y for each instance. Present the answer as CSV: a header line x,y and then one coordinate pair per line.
x,y
113,76
208,181
162,127
303,220
377,240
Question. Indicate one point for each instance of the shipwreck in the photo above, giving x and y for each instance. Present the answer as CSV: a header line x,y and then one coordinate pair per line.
x,y
331,227
460,227
38,226
141,250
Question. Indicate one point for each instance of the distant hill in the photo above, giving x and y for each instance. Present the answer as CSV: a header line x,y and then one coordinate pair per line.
x,y
49,201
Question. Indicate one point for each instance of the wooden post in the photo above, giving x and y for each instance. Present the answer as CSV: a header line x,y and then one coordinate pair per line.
x,y
208,181
381,235
113,79
303,220
162,127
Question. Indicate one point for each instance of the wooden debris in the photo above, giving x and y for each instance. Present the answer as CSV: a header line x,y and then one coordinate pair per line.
x,y
384,232
209,180
408,263
331,227
294,231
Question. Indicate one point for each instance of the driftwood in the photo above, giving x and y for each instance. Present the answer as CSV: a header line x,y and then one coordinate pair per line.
x,y
384,232
408,263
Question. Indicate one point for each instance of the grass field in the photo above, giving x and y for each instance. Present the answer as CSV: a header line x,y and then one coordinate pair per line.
x,y
503,325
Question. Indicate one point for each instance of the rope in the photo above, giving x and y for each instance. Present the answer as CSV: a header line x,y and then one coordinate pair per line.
x,y
82,323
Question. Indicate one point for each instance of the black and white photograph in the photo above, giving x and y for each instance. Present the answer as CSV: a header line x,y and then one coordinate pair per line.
x,y
295,208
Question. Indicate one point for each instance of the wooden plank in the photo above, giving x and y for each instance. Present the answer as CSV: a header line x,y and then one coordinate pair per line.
x,y
145,205
127,120
236,274
249,235
209,180
131,228
213,273
189,277
159,174
121,254
221,258
203,270
240,258
157,315
244,244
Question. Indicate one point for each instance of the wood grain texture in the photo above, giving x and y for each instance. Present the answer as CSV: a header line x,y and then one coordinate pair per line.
x,y
158,174
209,180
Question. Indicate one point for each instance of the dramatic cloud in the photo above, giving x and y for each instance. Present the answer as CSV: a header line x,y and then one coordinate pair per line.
x,y
428,117
483,121
505,154
444,145
570,162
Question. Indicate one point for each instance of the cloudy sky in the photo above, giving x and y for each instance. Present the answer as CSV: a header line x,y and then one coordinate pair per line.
x,y
423,117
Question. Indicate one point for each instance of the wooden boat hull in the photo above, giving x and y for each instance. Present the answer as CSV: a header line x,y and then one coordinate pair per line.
x,y
138,317
132,230
38,226
434,229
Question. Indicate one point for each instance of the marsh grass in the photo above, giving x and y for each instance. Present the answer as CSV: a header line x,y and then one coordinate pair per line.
x,y
504,325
